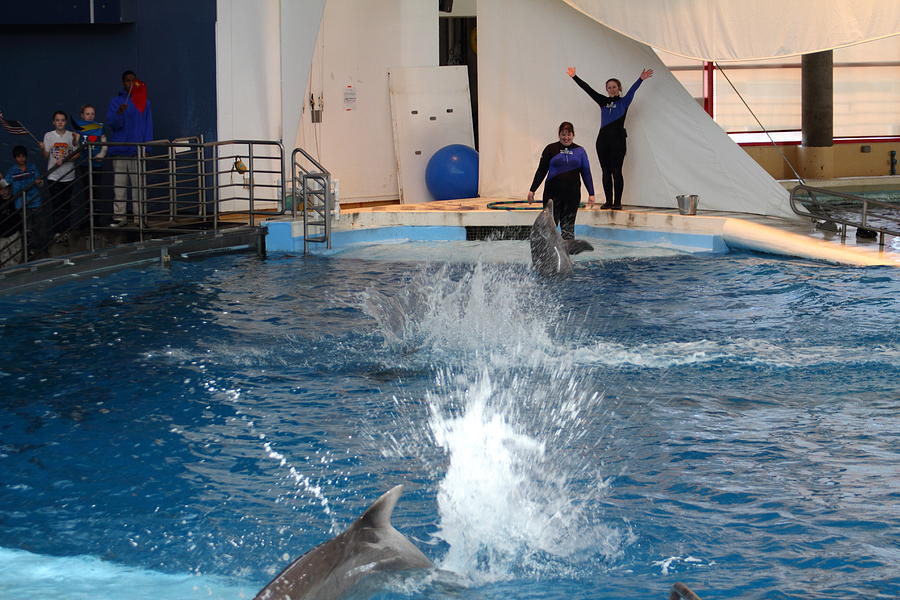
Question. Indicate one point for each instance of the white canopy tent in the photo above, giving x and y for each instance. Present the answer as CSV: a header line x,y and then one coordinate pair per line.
x,y
737,30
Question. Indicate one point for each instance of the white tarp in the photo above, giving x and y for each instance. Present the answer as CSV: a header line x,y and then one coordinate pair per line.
x,y
524,93
729,30
264,52
358,43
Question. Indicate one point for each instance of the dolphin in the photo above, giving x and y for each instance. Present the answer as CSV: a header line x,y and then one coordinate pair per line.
x,y
371,545
549,252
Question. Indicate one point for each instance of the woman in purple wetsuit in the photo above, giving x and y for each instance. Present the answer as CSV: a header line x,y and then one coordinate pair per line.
x,y
565,165
611,138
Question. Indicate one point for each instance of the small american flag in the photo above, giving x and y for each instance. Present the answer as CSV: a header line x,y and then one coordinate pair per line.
x,y
14,127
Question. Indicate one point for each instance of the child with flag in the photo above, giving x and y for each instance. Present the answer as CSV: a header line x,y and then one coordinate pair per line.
x,y
91,131
128,119
21,176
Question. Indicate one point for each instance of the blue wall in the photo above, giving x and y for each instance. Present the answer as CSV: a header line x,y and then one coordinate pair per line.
x,y
171,45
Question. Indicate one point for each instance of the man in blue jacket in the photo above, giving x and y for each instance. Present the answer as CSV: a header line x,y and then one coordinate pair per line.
x,y
128,119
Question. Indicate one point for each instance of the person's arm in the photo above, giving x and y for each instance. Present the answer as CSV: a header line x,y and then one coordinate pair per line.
x,y
102,153
44,147
645,74
75,144
543,167
35,173
586,176
148,132
114,117
595,96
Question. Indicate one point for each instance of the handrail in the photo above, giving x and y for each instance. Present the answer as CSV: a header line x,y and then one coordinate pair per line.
x,y
324,192
859,213
181,184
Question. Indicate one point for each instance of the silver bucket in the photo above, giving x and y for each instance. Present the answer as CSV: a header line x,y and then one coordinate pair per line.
x,y
687,203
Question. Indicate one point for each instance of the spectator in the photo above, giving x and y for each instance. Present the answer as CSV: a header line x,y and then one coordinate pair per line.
x,y
20,176
92,172
129,119
57,146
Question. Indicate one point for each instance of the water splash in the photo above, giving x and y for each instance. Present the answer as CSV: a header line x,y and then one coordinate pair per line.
x,y
454,312
512,433
517,496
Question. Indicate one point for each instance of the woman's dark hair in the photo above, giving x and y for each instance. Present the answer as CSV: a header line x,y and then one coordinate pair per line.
x,y
565,125
618,83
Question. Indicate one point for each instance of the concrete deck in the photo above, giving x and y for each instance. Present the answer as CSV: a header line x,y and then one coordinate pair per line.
x,y
787,237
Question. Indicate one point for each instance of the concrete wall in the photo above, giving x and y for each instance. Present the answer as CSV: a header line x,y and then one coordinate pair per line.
x,y
848,159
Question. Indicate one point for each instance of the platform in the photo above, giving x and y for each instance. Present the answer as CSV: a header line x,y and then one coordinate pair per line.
x,y
796,238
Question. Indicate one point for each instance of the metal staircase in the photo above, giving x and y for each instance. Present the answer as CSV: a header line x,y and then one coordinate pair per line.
x,y
311,186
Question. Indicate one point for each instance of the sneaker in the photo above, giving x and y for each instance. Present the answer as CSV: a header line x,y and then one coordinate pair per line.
x,y
119,223
606,205
617,207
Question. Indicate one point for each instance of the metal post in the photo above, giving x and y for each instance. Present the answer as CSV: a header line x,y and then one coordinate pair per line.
x,y
283,185
201,181
173,185
294,185
328,199
141,154
250,160
24,226
216,188
91,194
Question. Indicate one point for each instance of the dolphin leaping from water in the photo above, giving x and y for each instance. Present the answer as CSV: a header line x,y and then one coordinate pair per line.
x,y
328,571
549,252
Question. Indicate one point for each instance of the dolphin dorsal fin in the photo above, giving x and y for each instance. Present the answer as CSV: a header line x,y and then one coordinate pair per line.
x,y
379,514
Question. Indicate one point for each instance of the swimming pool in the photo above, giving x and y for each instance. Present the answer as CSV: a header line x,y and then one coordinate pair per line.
x,y
730,421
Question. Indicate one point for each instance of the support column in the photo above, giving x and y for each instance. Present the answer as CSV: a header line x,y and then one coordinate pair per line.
x,y
817,150
709,95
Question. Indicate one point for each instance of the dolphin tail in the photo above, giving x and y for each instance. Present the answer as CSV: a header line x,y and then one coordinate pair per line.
x,y
577,246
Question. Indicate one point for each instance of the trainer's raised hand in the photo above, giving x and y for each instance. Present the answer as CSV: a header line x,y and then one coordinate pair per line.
x,y
646,73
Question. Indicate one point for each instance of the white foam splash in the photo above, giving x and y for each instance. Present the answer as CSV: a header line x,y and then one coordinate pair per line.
x,y
509,501
520,482
486,310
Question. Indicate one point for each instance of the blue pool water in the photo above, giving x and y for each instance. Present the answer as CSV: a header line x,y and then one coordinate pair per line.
x,y
728,421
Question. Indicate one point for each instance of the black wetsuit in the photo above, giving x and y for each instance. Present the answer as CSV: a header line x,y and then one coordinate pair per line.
x,y
564,167
611,139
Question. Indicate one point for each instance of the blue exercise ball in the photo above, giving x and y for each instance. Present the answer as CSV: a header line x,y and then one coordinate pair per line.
x,y
452,173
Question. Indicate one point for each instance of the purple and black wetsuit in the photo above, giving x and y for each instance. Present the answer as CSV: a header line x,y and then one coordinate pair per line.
x,y
611,138
564,167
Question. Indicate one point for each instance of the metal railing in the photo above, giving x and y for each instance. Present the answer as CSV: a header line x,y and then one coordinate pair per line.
x,y
846,210
311,185
179,186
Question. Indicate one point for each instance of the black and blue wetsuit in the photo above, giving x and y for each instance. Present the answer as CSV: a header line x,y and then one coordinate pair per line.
x,y
565,167
611,139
